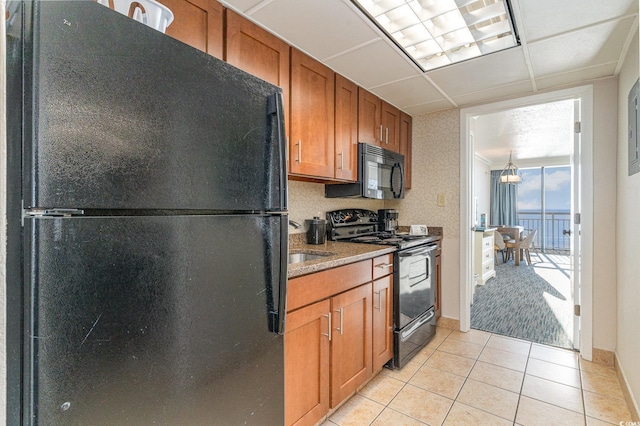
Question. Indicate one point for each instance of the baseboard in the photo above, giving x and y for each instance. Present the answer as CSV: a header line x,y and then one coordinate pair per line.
x,y
632,404
604,357
450,323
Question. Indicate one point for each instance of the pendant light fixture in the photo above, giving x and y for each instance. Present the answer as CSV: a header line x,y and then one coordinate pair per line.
x,y
510,173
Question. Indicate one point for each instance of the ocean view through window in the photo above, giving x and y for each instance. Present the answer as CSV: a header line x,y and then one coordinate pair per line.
x,y
544,203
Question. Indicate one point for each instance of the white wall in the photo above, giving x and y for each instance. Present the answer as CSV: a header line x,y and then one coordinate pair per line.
x,y
482,188
627,237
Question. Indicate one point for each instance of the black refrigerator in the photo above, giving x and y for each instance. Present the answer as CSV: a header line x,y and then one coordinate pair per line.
x,y
148,242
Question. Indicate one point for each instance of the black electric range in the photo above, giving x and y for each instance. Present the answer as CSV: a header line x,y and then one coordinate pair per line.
x,y
362,226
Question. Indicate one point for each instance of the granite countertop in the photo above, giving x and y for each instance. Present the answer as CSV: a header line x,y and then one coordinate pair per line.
x,y
340,253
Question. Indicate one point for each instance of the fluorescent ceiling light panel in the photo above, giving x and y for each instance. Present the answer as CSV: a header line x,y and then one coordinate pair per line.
x,y
435,33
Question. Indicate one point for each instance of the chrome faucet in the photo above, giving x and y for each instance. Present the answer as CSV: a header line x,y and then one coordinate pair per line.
x,y
295,224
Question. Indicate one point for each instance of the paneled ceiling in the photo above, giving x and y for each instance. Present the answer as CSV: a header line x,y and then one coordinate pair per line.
x,y
563,42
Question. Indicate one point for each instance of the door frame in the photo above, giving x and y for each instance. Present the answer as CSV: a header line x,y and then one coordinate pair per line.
x,y
585,94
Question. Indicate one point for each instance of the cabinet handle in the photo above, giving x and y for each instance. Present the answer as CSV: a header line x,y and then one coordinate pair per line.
x,y
384,265
341,328
299,151
328,317
380,133
386,135
341,161
379,300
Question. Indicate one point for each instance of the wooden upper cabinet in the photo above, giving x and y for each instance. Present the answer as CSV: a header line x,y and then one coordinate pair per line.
x,y
369,118
405,146
257,52
391,127
346,129
311,141
197,23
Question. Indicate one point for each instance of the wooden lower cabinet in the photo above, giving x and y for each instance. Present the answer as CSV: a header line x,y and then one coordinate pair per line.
x,y
351,342
382,321
306,354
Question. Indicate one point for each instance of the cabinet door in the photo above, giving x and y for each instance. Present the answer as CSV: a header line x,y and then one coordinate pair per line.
x,y
306,360
346,128
382,321
197,23
351,350
312,117
391,127
369,118
405,146
258,52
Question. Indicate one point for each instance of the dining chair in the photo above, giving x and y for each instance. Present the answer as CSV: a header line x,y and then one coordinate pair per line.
x,y
526,243
499,246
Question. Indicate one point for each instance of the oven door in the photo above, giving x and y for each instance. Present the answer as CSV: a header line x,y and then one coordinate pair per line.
x,y
414,283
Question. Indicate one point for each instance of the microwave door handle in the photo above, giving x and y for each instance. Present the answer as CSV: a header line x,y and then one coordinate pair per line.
x,y
393,169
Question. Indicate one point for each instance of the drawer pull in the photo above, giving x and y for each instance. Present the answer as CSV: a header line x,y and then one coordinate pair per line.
x,y
384,265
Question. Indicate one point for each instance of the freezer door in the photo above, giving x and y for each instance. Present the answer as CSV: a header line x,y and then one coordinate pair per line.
x,y
154,320
121,116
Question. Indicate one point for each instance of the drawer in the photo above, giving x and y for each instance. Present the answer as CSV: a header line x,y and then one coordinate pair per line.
x,y
487,266
310,288
487,255
487,242
382,265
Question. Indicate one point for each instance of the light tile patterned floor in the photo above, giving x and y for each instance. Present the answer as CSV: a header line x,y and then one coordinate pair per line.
x,y
479,378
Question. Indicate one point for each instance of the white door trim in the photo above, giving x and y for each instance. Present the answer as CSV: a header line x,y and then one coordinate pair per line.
x,y
585,94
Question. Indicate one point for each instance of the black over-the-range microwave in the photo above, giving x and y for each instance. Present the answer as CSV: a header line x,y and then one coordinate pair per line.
x,y
380,175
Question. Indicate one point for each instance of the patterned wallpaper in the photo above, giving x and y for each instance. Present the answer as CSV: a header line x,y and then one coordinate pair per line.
x,y
436,170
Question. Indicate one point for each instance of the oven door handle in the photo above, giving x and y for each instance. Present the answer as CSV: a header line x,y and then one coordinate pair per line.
x,y
417,251
407,333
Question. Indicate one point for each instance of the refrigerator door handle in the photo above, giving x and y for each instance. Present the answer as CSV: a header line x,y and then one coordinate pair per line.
x,y
277,324
278,133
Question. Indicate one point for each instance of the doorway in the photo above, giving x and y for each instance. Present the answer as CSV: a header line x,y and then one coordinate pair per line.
x,y
582,162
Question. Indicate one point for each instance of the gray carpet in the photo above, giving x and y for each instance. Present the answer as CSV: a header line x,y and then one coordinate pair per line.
x,y
528,302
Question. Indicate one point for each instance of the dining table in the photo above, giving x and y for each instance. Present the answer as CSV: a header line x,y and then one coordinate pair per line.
x,y
515,233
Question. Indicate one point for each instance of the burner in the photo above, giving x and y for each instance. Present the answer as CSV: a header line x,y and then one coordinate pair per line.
x,y
365,238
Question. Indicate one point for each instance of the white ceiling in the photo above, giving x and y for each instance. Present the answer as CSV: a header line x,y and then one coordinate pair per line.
x,y
537,135
562,42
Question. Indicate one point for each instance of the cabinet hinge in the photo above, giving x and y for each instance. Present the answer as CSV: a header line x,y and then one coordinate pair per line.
x,y
576,218
577,127
576,310
54,212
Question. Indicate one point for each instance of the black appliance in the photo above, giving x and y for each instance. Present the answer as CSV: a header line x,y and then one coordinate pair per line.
x,y
388,220
150,179
414,283
380,175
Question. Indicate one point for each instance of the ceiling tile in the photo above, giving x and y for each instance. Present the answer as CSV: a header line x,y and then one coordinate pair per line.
x,y
242,5
494,93
543,18
409,92
373,65
584,74
579,49
497,69
427,108
320,28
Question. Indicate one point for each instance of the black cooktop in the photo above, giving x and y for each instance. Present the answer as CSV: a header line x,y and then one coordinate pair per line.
x,y
361,226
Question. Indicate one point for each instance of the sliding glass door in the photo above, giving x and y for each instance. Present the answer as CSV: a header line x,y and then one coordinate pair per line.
x,y
544,203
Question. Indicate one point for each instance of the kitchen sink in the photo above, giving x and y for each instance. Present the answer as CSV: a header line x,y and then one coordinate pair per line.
x,y
303,257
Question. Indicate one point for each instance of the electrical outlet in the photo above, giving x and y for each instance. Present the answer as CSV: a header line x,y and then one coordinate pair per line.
x,y
441,200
